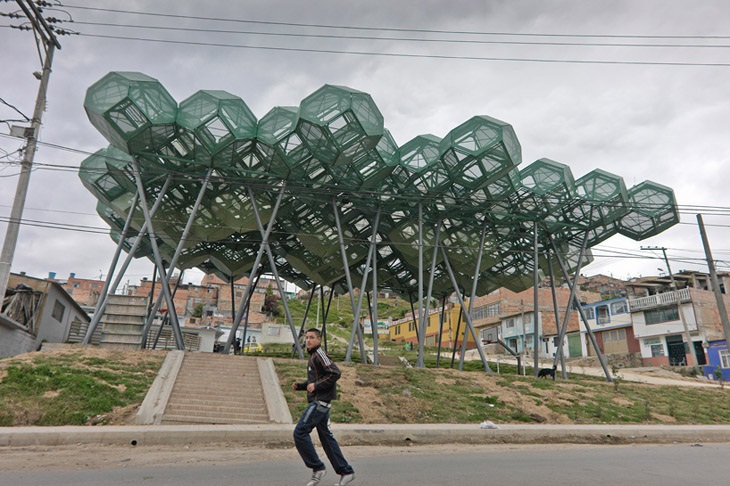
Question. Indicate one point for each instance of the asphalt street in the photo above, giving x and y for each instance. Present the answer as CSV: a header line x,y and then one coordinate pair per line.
x,y
648,465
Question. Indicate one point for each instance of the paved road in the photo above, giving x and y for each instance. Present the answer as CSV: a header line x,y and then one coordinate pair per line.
x,y
656,465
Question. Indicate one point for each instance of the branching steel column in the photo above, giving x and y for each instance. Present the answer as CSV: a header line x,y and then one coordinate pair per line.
x,y
101,305
348,278
456,335
374,318
356,310
424,318
113,264
441,331
573,293
466,315
178,251
167,316
247,305
304,318
536,300
560,354
576,300
254,269
272,264
473,296
164,282
420,363
325,315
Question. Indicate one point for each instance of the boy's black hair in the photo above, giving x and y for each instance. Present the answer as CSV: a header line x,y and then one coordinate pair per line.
x,y
315,331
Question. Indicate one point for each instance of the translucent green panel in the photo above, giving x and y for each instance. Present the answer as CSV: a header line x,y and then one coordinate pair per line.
x,y
124,107
334,146
475,152
107,174
217,119
653,210
339,124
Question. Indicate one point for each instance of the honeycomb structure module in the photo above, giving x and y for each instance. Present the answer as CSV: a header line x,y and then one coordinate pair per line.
x,y
334,159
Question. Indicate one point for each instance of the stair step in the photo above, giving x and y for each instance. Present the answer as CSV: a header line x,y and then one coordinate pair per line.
x,y
217,411
210,420
216,392
217,389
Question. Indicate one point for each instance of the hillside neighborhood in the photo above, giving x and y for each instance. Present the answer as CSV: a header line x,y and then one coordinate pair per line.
x,y
640,322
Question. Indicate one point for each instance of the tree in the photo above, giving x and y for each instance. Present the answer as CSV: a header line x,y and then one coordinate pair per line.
x,y
272,303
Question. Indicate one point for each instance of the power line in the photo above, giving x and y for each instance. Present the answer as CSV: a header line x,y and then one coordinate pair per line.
x,y
399,39
412,55
393,29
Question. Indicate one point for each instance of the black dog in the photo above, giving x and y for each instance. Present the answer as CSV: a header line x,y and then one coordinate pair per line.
x,y
545,372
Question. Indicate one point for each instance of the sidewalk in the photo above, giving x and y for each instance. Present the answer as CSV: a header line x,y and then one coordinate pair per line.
x,y
277,435
638,375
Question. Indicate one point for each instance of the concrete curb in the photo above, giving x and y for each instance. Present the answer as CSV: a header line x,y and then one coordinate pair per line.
x,y
155,402
278,435
274,397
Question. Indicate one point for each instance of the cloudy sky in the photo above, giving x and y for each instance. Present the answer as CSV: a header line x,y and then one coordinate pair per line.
x,y
640,88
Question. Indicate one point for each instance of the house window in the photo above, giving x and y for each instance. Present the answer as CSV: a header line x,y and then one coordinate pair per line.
x,y
602,315
58,310
724,358
590,313
657,350
485,311
661,315
510,323
619,307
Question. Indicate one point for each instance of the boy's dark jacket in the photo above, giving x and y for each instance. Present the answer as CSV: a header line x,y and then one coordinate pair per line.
x,y
324,373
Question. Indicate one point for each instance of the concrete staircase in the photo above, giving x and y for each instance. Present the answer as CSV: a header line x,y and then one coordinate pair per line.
x,y
217,389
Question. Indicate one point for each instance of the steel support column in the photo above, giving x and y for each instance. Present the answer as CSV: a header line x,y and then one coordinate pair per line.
x,y
466,315
424,318
536,302
473,296
103,298
560,353
576,300
254,270
178,252
164,281
422,334
356,310
274,270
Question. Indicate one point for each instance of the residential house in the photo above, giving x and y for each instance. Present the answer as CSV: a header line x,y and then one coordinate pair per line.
x,y
660,313
452,330
506,315
36,311
612,326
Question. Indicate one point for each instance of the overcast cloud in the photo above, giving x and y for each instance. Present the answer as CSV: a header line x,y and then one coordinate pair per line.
x,y
665,123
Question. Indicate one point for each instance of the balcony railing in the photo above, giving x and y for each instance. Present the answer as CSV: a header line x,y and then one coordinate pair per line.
x,y
659,300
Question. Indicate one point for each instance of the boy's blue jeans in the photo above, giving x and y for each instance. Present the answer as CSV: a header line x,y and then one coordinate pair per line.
x,y
318,416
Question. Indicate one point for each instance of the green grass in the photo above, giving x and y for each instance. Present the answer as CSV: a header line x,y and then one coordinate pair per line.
x,y
71,389
410,395
74,388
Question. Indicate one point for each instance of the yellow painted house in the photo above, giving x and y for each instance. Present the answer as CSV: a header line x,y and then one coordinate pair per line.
x,y
404,330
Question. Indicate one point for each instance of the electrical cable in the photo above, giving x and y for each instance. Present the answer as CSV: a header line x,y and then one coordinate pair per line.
x,y
392,29
400,39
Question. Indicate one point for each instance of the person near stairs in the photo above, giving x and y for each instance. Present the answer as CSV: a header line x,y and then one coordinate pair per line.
x,y
322,376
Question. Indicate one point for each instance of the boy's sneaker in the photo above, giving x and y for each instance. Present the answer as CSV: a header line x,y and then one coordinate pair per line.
x,y
346,479
316,477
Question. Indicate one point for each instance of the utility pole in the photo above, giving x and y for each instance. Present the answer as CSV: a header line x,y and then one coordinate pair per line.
x,y
50,44
715,284
687,335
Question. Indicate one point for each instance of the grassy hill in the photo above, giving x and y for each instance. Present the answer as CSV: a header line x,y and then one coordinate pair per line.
x,y
95,387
